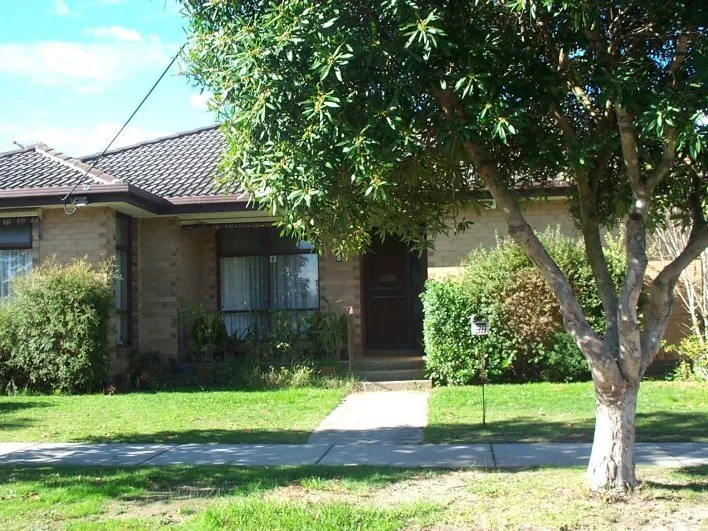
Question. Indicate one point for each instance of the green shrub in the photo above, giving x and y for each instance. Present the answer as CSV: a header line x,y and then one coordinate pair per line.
x,y
449,347
526,340
692,353
55,328
327,332
6,370
563,362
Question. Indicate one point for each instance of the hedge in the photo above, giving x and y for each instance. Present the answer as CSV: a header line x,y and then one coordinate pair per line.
x,y
526,340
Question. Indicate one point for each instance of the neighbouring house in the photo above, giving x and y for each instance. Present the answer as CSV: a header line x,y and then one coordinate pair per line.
x,y
178,239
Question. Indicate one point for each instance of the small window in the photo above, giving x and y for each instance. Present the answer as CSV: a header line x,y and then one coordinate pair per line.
x,y
16,236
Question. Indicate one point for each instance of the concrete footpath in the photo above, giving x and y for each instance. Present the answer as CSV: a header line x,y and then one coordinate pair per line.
x,y
352,454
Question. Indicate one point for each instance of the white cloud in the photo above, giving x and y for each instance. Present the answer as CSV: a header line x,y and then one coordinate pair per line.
x,y
114,32
199,101
110,2
77,141
59,8
86,67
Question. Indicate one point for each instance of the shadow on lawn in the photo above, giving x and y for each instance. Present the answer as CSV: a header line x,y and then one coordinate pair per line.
x,y
651,427
204,436
10,408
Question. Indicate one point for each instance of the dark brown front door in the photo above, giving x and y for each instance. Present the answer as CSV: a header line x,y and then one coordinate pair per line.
x,y
393,280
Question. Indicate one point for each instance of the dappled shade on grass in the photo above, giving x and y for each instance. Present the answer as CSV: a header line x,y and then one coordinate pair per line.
x,y
311,497
667,411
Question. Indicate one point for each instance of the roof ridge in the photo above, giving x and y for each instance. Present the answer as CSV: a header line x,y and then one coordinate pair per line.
x,y
152,141
30,147
97,175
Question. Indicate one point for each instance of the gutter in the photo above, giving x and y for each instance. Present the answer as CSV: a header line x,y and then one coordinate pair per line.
x,y
123,193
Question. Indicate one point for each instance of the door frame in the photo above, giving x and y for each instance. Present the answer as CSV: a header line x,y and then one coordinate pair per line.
x,y
417,328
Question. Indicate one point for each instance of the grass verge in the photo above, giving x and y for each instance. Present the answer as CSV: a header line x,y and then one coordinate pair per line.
x,y
341,498
543,412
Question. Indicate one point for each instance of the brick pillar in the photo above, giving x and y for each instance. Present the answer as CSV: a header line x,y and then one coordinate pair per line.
x,y
158,284
340,286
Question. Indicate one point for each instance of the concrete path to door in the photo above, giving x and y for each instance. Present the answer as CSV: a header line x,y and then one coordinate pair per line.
x,y
374,417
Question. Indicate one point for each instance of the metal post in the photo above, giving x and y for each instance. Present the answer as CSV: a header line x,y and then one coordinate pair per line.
x,y
484,381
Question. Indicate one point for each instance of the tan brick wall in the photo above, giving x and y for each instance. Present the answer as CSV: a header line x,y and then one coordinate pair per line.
x,y
340,286
197,268
158,286
90,233
450,250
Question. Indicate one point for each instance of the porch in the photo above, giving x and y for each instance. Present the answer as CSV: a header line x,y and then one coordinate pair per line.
x,y
256,280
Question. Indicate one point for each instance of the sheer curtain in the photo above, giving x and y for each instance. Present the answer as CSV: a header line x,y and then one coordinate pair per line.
x,y
293,282
13,263
243,285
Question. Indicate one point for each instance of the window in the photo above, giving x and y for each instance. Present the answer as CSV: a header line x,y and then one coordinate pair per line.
x,y
261,272
123,279
15,254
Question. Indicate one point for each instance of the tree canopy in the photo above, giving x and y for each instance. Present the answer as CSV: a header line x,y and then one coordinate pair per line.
x,y
390,116
346,117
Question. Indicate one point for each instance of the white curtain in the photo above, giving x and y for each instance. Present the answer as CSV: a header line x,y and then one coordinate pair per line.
x,y
293,282
13,263
243,284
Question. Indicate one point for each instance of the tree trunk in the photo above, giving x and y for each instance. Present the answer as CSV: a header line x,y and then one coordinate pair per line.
x,y
612,459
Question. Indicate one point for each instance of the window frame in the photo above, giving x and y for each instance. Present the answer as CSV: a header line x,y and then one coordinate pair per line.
x,y
270,235
126,248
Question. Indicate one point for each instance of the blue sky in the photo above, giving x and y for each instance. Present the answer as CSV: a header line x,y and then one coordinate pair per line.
x,y
72,71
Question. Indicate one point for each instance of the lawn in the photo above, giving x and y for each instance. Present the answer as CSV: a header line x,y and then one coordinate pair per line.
x,y
340,498
278,416
667,411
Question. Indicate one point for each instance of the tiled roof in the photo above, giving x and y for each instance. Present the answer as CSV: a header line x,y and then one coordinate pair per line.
x,y
180,165
38,166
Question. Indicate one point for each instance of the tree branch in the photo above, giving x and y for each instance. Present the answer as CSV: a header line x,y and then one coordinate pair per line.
x,y
523,234
565,126
630,153
630,351
661,294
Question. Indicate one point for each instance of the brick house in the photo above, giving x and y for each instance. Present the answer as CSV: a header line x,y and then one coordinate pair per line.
x,y
155,208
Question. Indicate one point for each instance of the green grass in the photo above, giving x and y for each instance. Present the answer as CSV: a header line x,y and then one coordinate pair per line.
x,y
280,416
667,411
341,498
213,497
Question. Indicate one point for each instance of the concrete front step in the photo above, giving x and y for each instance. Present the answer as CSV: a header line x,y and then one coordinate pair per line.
x,y
396,385
389,375
391,364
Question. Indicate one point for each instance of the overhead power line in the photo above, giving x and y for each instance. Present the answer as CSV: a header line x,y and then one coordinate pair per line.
x,y
65,198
